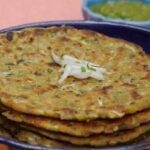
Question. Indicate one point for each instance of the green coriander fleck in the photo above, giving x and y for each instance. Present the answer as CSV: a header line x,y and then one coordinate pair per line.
x,y
77,62
65,65
83,69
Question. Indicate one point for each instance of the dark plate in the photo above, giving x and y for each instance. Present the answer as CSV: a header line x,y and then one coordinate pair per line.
x,y
134,34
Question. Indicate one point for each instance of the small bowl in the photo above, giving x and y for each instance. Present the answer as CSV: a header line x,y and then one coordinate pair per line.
x,y
90,15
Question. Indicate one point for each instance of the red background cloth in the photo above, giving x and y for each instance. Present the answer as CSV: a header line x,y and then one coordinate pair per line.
x,y
15,12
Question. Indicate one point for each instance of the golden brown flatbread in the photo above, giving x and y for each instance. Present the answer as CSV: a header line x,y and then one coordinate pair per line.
x,y
4,133
81,128
96,140
12,130
29,77
36,139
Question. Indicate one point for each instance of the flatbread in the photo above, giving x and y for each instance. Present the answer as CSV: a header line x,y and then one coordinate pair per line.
x,y
12,130
81,128
4,133
29,77
36,139
96,140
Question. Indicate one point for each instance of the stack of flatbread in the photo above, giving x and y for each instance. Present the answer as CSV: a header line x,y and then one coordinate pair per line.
x,y
75,112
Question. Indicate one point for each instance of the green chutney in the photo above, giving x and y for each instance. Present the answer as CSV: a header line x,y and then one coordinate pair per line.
x,y
133,11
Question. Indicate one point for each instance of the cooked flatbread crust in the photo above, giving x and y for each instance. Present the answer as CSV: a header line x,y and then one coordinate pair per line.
x,y
81,128
36,139
4,133
9,129
29,77
96,140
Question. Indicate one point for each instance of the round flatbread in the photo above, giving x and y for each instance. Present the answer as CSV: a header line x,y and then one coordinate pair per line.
x,y
83,129
29,76
96,140
36,139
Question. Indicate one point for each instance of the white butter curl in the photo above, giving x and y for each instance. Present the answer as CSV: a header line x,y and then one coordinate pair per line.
x,y
80,69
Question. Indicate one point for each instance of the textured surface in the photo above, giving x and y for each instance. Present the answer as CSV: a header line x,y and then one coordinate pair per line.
x,y
97,140
12,130
4,133
36,139
29,78
24,11
81,128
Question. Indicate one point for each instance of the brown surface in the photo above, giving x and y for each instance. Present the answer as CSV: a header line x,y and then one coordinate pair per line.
x,y
36,139
24,11
96,140
81,128
31,85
